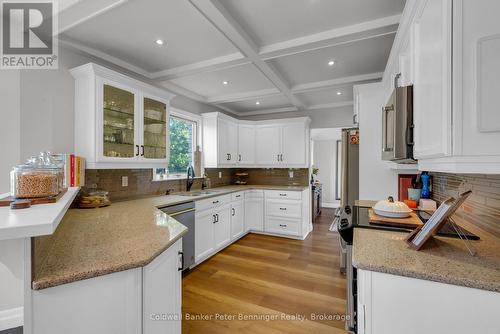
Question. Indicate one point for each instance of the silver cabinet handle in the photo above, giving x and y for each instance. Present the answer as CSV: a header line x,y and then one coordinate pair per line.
x,y
181,261
217,216
239,157
142,148
233,211
215,220
228,157
137,150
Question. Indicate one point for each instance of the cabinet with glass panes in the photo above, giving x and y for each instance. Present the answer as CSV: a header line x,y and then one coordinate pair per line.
x,y
129,125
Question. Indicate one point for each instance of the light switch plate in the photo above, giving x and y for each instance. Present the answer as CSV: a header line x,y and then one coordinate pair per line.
x,y
290,174
124,181
220,175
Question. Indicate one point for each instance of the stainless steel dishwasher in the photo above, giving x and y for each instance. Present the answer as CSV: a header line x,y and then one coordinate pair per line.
x,y
184,214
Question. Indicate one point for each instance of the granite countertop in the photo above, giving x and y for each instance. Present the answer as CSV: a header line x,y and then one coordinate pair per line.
x,y
442,259
128,234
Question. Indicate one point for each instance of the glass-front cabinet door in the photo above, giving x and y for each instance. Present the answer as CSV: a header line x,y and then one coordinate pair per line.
x,y
118,123
155,129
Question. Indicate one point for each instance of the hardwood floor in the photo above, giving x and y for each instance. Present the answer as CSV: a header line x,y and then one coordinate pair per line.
x,y
266,278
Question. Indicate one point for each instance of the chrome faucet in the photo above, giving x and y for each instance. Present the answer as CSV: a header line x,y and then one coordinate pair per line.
x,y
189,178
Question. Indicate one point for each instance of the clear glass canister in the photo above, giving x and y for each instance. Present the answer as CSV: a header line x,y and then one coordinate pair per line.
x,y
31,181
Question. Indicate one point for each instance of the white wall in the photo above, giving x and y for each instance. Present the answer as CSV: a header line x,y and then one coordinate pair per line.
x,y
321,118
376,179
11,251
325,159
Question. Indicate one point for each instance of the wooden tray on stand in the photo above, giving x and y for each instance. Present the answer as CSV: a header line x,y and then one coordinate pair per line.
x,y
410,222
42,200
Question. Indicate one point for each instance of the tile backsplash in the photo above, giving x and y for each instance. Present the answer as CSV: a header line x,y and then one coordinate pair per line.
x,y
140,180
482,208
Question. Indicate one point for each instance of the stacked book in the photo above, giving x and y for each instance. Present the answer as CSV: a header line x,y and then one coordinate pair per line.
x,y
74,169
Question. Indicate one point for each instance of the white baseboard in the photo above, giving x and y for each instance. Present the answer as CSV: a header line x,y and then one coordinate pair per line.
x,y
330,205
11,318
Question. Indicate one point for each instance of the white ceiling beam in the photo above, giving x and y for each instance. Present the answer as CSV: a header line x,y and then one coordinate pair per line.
x,y
267,111
330,105
227,25
82,11
182,91
317,85
229,110
244,96
209,65
344,35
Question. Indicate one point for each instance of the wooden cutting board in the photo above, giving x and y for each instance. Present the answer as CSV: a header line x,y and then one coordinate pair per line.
x,y
43,200
409,222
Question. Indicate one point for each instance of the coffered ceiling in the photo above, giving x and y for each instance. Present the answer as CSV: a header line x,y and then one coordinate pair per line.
x,y
247,57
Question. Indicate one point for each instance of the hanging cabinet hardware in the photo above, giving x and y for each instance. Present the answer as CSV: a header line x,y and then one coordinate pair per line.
x,y
142,148
137,150
233,211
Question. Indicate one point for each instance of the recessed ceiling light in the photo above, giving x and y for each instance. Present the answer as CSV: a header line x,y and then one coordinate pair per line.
x,y
225,82
257,103
339,93
159,41
331,63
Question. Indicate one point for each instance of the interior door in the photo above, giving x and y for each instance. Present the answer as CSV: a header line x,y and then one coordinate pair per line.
x,y
268,144
204,236
222,227
246,144
237,219
294,143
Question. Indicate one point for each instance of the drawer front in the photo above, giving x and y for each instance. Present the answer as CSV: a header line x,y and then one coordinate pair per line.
x,y
254,194
212,202
284,208
284,194
282,226
238,196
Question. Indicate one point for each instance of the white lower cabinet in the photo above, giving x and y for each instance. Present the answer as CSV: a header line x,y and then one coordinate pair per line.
x,y
162,293
237,219
391,304
254,211
222,227
204,243
141,300
287,212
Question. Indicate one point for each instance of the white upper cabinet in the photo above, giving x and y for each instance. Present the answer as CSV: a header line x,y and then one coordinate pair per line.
x,y
449,50
268,145
294,145
228,142
246,144
432,85
120,122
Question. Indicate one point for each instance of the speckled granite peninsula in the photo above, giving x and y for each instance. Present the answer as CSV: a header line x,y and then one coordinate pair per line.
x,y
444,260
129,234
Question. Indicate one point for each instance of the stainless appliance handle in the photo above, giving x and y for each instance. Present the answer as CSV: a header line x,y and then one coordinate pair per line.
x,y
344,169
180,212
385,111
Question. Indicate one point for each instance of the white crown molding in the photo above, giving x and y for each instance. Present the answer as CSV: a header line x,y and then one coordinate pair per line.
x,y
348,34
244,96
209,65
104,56
83,11
317,85
331,105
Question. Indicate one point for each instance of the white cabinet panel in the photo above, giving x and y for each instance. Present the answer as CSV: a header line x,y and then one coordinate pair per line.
x,y
254,211
204,236
246,144
162,293
432,89
112,303
222,227
268,145
237,219
282,226
228,141
294,144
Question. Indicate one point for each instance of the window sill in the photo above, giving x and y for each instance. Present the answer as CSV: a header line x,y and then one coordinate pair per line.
x,y
176,178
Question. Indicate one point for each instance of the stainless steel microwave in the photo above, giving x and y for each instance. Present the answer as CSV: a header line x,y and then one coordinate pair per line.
x,y
397,126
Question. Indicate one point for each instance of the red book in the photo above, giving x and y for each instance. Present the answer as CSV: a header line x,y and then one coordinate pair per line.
x,y
72,170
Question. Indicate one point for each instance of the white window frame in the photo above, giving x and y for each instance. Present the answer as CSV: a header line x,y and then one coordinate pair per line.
x,y
197,119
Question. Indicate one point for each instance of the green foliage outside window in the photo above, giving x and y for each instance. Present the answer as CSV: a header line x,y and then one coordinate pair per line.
x,y
181,145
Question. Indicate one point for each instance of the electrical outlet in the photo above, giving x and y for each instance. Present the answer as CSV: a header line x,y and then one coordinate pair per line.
x,y
220,175
290,174
124,181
